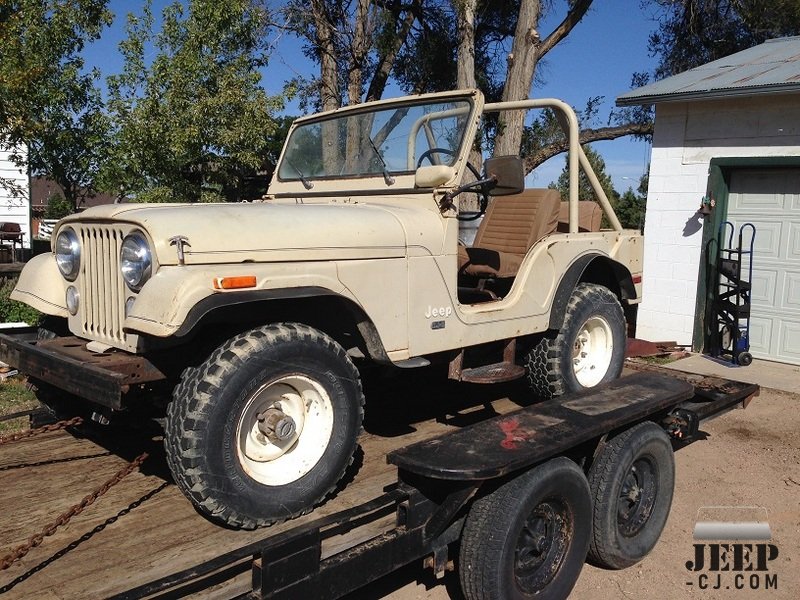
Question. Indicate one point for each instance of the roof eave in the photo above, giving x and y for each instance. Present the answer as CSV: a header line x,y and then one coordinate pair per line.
x,y
783,88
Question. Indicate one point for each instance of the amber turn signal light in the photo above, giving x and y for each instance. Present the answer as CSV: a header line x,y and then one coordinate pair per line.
x,y
234,283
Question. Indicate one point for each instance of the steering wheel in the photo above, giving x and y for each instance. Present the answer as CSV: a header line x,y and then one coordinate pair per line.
x,y
482,192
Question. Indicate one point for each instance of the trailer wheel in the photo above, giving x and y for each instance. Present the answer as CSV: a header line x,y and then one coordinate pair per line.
x,y
265,428
632,481
529,537
588,350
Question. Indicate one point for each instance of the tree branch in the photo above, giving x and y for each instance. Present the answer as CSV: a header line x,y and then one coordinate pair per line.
x,y
586,136
386,62
574,16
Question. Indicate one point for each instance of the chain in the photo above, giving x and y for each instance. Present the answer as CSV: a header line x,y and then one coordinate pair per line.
x,y
64,518
44,429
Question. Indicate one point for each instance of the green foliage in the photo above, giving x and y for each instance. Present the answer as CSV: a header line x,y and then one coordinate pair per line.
x,y
631,205
48,103
58,207
585,191
12,311
694,32
188,108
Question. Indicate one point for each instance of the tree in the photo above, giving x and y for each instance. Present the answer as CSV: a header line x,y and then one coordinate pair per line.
x,y
49,104
585,190
694,32
192,122
430,45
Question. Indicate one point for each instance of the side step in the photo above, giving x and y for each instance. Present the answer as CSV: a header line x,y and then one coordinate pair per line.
x,y
494,373
506,370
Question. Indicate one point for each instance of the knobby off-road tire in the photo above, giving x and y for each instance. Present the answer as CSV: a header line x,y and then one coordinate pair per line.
x,y
632,481
588,350
528,538
264,429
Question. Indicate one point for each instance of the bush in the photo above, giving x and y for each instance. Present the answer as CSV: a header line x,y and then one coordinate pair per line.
x,y
58,207
12,311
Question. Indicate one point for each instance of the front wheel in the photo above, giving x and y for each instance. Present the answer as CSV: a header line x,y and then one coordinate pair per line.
x,y
588,350
264,429
528,538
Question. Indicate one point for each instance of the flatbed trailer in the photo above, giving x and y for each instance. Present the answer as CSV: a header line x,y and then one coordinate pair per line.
x,y
510,499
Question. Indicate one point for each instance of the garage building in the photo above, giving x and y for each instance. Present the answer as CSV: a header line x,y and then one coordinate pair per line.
x,y
726,134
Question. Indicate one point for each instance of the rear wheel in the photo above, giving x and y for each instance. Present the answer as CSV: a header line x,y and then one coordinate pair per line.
x,y
588,350
632,481
265,428
528,538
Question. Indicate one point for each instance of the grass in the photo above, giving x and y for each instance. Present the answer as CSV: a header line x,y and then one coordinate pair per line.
x,y
15,397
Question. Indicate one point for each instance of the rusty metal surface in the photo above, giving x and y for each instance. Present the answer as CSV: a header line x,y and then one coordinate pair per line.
x,y
496,373
43,429
134,368
522,438
66,364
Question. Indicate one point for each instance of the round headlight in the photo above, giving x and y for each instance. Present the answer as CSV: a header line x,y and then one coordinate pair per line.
x,y
68,254
135,261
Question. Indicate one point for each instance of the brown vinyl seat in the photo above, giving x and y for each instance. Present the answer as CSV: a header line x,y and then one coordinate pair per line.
x,y
590,214
512,225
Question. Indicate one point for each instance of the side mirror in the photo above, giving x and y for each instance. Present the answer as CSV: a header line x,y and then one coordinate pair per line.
x,y
433,176
509,174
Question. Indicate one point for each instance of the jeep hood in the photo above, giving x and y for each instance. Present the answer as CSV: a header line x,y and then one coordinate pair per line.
x,y
264,232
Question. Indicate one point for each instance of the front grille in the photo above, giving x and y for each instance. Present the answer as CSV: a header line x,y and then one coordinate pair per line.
x,y
101,287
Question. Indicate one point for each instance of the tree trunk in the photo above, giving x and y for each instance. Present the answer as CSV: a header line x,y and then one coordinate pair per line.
x,y
329,82
522,63
387,59
355,80
465,77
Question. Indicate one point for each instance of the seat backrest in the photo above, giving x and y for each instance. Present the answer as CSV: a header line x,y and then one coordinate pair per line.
x,y
10,228
515,223
590,214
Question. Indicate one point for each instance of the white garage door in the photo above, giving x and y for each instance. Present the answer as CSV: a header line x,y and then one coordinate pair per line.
x,y
770,199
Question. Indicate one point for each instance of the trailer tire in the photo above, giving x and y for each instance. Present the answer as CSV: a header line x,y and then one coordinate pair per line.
x,y
266,427
632,481
529,537
588,350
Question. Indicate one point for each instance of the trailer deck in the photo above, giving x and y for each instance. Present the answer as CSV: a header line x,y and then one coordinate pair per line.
x,y
145,531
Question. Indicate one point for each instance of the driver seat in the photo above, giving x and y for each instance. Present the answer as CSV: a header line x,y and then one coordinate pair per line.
x,y
511,226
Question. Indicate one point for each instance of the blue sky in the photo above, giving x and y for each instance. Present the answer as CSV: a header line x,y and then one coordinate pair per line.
x,y
596,59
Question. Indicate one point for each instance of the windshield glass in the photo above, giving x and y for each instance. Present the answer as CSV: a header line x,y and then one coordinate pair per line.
x,y
387,141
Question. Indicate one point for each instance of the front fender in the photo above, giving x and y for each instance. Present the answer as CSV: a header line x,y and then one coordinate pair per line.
x,y
166,301
42,286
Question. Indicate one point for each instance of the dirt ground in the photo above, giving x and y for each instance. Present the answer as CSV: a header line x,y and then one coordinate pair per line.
x,y
750,458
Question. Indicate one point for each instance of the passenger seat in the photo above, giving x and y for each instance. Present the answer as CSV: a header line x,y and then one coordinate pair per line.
x,y
511,226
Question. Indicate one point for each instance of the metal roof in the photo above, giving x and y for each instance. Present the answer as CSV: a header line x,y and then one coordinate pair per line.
x,y
768,68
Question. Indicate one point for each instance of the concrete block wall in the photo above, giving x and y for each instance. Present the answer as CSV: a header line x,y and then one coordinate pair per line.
x,y
687,136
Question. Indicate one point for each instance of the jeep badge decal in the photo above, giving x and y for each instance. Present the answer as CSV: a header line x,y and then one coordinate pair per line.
x,y
441,311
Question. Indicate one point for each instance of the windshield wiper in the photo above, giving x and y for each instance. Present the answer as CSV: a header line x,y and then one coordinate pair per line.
x,y
306,183
386,175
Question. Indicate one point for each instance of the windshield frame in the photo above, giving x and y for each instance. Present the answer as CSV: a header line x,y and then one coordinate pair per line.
x,y
376,182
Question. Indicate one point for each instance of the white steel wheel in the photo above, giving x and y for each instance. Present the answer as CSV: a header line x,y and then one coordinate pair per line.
x,y
589,348
592,351
265,428
284,430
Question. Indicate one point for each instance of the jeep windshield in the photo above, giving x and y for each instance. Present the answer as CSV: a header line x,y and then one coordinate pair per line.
x,y
383,142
